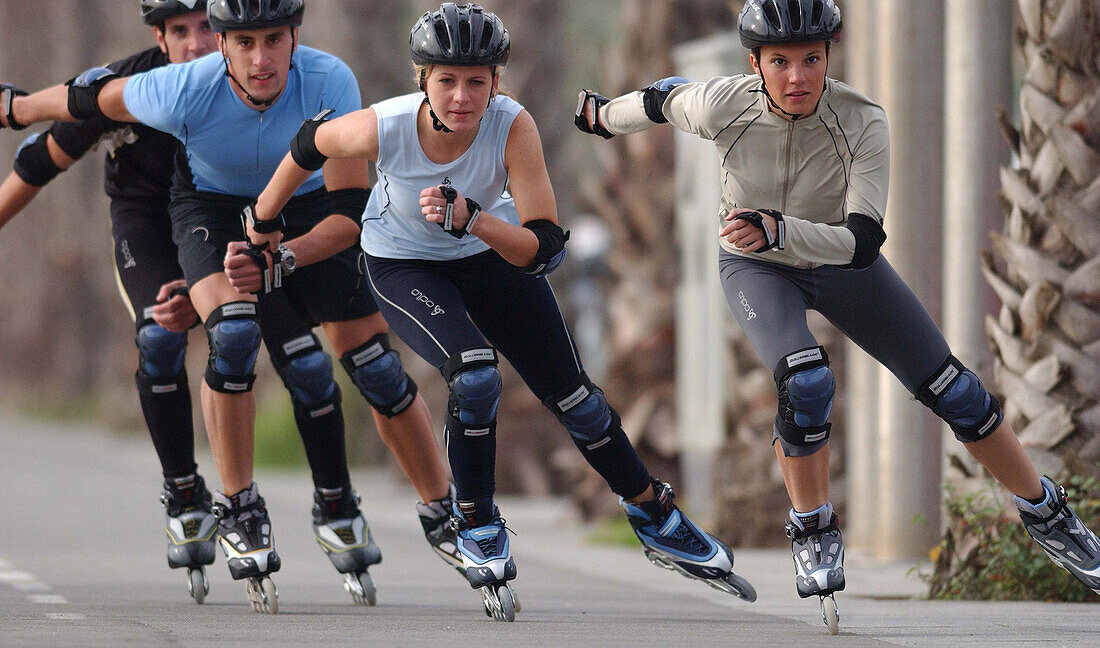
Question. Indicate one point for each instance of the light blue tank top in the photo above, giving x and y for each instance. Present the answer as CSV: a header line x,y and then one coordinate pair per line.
x,y
393,226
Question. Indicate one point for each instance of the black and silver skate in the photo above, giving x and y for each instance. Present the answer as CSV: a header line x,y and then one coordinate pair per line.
x,y
435,518
345,537
244,533
1062,535
818,554
190,527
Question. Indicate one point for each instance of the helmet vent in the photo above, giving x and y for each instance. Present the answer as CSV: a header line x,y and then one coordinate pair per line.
x,y
443,36
771,14
486,37
464,44
815,16
794,10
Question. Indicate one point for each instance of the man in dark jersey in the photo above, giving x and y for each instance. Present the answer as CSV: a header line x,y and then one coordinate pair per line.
x,y
139,168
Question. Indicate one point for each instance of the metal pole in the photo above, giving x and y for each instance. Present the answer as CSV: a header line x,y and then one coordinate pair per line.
x,y
911,55
701,311
977,80
861,383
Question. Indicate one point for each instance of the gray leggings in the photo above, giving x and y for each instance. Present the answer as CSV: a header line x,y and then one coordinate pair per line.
x,y
872,306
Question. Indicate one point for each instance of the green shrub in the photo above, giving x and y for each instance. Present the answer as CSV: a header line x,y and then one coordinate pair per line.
x,y
987,555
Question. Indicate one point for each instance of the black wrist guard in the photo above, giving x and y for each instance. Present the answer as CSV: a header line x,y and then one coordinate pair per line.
x,y
551,252
303,148
33,163
84,92
595,101
778,241
8,93
350,202
869,238
248,218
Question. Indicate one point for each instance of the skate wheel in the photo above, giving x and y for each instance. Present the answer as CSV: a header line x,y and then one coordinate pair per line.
x,y
507,602
742,588
270,596
488,599
368,592
515,599
830,614
197,584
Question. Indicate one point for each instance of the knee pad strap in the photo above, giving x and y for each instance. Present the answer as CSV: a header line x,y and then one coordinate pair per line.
x,y
806,387
376,370
234,333
957,396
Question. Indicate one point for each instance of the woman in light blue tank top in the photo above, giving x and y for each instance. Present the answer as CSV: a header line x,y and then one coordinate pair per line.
x,y
460,232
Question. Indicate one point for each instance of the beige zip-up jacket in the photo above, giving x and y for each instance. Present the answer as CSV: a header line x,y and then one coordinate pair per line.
x,y
816,171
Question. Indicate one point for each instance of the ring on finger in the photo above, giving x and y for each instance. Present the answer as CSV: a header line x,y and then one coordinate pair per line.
x,y
438,209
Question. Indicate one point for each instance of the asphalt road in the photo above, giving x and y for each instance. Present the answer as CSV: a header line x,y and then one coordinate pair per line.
x,y
82,564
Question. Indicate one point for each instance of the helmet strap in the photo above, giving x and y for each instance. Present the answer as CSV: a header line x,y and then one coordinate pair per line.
x,y
254,101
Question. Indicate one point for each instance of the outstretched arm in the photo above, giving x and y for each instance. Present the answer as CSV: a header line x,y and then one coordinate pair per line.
x,y
53,104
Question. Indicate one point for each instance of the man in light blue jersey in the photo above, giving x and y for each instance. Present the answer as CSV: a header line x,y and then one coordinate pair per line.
x,y
236,113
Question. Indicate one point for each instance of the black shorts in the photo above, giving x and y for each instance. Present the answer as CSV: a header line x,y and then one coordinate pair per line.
x,y
145,256
333,290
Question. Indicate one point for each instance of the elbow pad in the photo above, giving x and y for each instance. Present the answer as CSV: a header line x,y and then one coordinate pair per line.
x,y
869,238
653,98
350,202
303,148
33,163
84,92
551,252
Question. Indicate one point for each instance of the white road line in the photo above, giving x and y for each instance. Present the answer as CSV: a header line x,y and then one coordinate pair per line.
x,y
15,576
47,599
31,586
65,616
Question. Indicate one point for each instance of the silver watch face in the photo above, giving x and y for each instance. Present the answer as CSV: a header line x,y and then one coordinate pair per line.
x,y
290,262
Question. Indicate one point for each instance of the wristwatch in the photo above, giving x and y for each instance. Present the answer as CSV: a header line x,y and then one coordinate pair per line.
x,y
285,258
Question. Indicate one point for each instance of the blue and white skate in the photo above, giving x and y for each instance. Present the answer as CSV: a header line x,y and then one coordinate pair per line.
x,y
818,552
671,541
1062,535
487,563
244,533
190,528
345,537
435,518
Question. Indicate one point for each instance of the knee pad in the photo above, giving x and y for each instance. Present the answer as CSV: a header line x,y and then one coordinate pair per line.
x,y
234,333
956,395
309,378
583,410
160,358
376,370
475,385
806,388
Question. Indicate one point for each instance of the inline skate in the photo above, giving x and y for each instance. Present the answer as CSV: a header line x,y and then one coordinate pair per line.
x,y
190,527
671,541
435,518
345,537
244,532
487,557
1062,535
818,552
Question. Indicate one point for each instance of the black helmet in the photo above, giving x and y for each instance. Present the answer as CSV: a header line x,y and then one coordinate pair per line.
x,y
154,12
775,22
462,34
230,15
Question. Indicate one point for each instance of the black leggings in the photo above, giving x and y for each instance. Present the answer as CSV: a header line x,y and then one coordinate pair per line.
x,y
441,308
